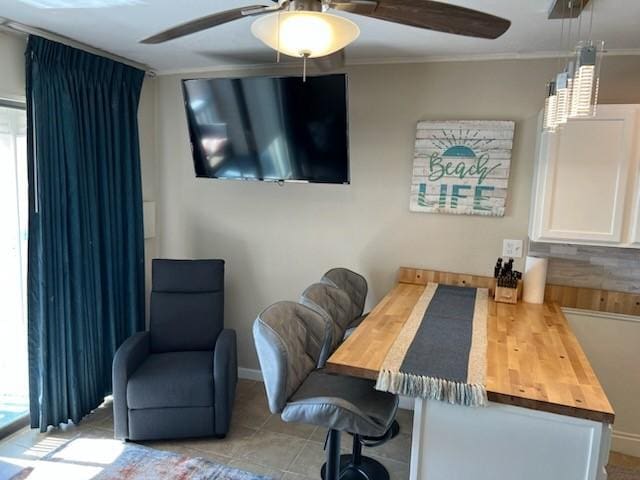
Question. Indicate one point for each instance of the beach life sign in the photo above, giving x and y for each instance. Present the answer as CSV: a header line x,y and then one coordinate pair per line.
x,y
462,167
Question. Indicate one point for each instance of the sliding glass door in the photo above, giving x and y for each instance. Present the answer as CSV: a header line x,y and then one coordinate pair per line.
x,y
13,265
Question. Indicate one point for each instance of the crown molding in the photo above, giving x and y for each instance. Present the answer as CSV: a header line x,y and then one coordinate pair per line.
x,y
392,60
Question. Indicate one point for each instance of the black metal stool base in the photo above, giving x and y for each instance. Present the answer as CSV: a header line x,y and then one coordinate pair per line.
x,y
390,434
367,469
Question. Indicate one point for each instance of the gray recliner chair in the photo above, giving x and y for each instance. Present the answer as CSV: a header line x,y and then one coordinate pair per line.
x,y
288,353
179,378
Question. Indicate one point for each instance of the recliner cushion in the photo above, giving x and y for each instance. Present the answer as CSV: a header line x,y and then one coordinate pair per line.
x,y
176,379
185,321
187,276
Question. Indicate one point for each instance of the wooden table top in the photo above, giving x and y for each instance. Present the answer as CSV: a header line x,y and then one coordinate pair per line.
x,y
533,358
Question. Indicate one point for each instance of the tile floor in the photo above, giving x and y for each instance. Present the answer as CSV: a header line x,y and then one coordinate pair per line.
x,y
258,441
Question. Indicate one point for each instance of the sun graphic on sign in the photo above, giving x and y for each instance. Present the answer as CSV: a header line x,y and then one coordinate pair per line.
x,y
463,143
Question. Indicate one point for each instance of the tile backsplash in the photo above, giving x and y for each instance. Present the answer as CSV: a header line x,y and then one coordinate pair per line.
x,y
606,268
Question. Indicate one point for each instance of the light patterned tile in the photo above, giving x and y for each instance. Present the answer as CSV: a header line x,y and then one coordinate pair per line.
x,y
405,420
228,446
309,462
397,470
270,449
398,448
251,412
277,425
622,460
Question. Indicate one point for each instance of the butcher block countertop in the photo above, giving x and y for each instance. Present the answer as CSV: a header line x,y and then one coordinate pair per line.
x,y
533,358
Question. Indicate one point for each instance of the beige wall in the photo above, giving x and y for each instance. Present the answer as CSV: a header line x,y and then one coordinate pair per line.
x,y
277,240
611,344
12,66
147,133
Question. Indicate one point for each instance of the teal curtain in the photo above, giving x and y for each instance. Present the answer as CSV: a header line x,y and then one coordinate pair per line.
x,y
86,243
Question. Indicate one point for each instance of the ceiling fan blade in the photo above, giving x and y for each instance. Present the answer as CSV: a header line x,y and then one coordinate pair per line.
x,y
362,7
329,63
209,21
442,17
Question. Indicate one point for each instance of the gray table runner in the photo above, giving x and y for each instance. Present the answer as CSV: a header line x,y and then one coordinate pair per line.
x,y
440,352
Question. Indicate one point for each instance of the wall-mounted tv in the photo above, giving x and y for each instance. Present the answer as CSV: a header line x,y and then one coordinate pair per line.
x,y
269,128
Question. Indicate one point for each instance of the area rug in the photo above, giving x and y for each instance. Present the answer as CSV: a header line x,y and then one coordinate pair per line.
x,y
13,472
622,473
115,460
440,353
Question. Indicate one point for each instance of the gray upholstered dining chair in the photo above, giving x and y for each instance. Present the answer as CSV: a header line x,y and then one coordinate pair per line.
x,y
355,285
285,336
332,303
179,378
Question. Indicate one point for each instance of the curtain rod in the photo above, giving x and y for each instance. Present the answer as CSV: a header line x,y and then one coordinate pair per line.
x,y
5,23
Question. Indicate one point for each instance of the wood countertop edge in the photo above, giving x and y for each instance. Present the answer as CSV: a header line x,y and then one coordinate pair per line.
x,y
495,397
551,407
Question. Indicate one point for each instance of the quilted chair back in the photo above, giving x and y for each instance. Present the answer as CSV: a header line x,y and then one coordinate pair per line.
x,y
351,282
333,304
291,340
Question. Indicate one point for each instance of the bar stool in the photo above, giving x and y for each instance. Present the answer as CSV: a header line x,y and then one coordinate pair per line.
x,y
288,355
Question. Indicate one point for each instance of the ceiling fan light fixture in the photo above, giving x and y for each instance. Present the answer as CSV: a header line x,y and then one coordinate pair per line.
x,y
304,33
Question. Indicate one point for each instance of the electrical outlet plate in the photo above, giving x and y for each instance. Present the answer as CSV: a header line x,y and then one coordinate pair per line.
x,y
512,248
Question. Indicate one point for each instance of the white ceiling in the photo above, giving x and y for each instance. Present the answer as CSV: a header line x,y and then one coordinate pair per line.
x,y
117,26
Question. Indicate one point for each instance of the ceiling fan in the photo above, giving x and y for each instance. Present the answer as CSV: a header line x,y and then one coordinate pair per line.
x,y
304,28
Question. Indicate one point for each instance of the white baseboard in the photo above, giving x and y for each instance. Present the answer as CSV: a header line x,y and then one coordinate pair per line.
x,y
627,443
405,403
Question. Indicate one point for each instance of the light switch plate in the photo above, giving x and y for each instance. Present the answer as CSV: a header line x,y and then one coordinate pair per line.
x,y
512,248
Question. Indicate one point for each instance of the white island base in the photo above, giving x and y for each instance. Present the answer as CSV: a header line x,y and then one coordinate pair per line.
x,y
503,442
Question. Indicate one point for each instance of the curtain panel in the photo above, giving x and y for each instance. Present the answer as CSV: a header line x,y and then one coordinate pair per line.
x,y
86,241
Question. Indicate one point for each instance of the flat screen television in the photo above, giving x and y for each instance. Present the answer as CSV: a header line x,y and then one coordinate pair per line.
x,y
269,128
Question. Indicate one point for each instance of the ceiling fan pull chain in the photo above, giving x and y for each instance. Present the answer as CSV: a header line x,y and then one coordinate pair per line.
x,y
304,68
278,49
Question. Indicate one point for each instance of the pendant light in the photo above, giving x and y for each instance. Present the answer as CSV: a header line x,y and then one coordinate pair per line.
x,y
564,85
586,81
550,108
556,86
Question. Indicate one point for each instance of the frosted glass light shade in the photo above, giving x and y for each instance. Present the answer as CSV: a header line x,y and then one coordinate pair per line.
x,y
550,108
563,101
300,33
586,83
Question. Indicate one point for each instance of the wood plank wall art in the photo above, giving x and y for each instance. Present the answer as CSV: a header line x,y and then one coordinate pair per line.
x,y
462,167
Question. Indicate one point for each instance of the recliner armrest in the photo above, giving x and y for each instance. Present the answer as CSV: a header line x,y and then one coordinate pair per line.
x,y
225,378
133,351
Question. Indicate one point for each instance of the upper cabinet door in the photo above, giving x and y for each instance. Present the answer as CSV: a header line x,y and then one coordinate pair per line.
x,y
583,178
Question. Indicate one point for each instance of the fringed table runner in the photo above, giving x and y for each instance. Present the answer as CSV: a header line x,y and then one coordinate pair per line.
x,y
440,353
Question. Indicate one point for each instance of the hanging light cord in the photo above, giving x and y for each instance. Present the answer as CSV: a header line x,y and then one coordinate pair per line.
x,y
568,50
578,36
564,5
593,7
278,49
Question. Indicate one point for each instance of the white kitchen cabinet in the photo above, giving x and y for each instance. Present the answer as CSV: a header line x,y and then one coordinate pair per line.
x,y
586,188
